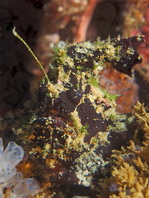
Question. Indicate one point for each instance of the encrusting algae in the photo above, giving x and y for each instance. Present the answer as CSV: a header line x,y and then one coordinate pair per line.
x,y
74,129
130,176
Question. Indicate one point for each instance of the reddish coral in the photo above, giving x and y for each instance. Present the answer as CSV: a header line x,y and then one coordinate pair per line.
x,y
121,84
84,21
